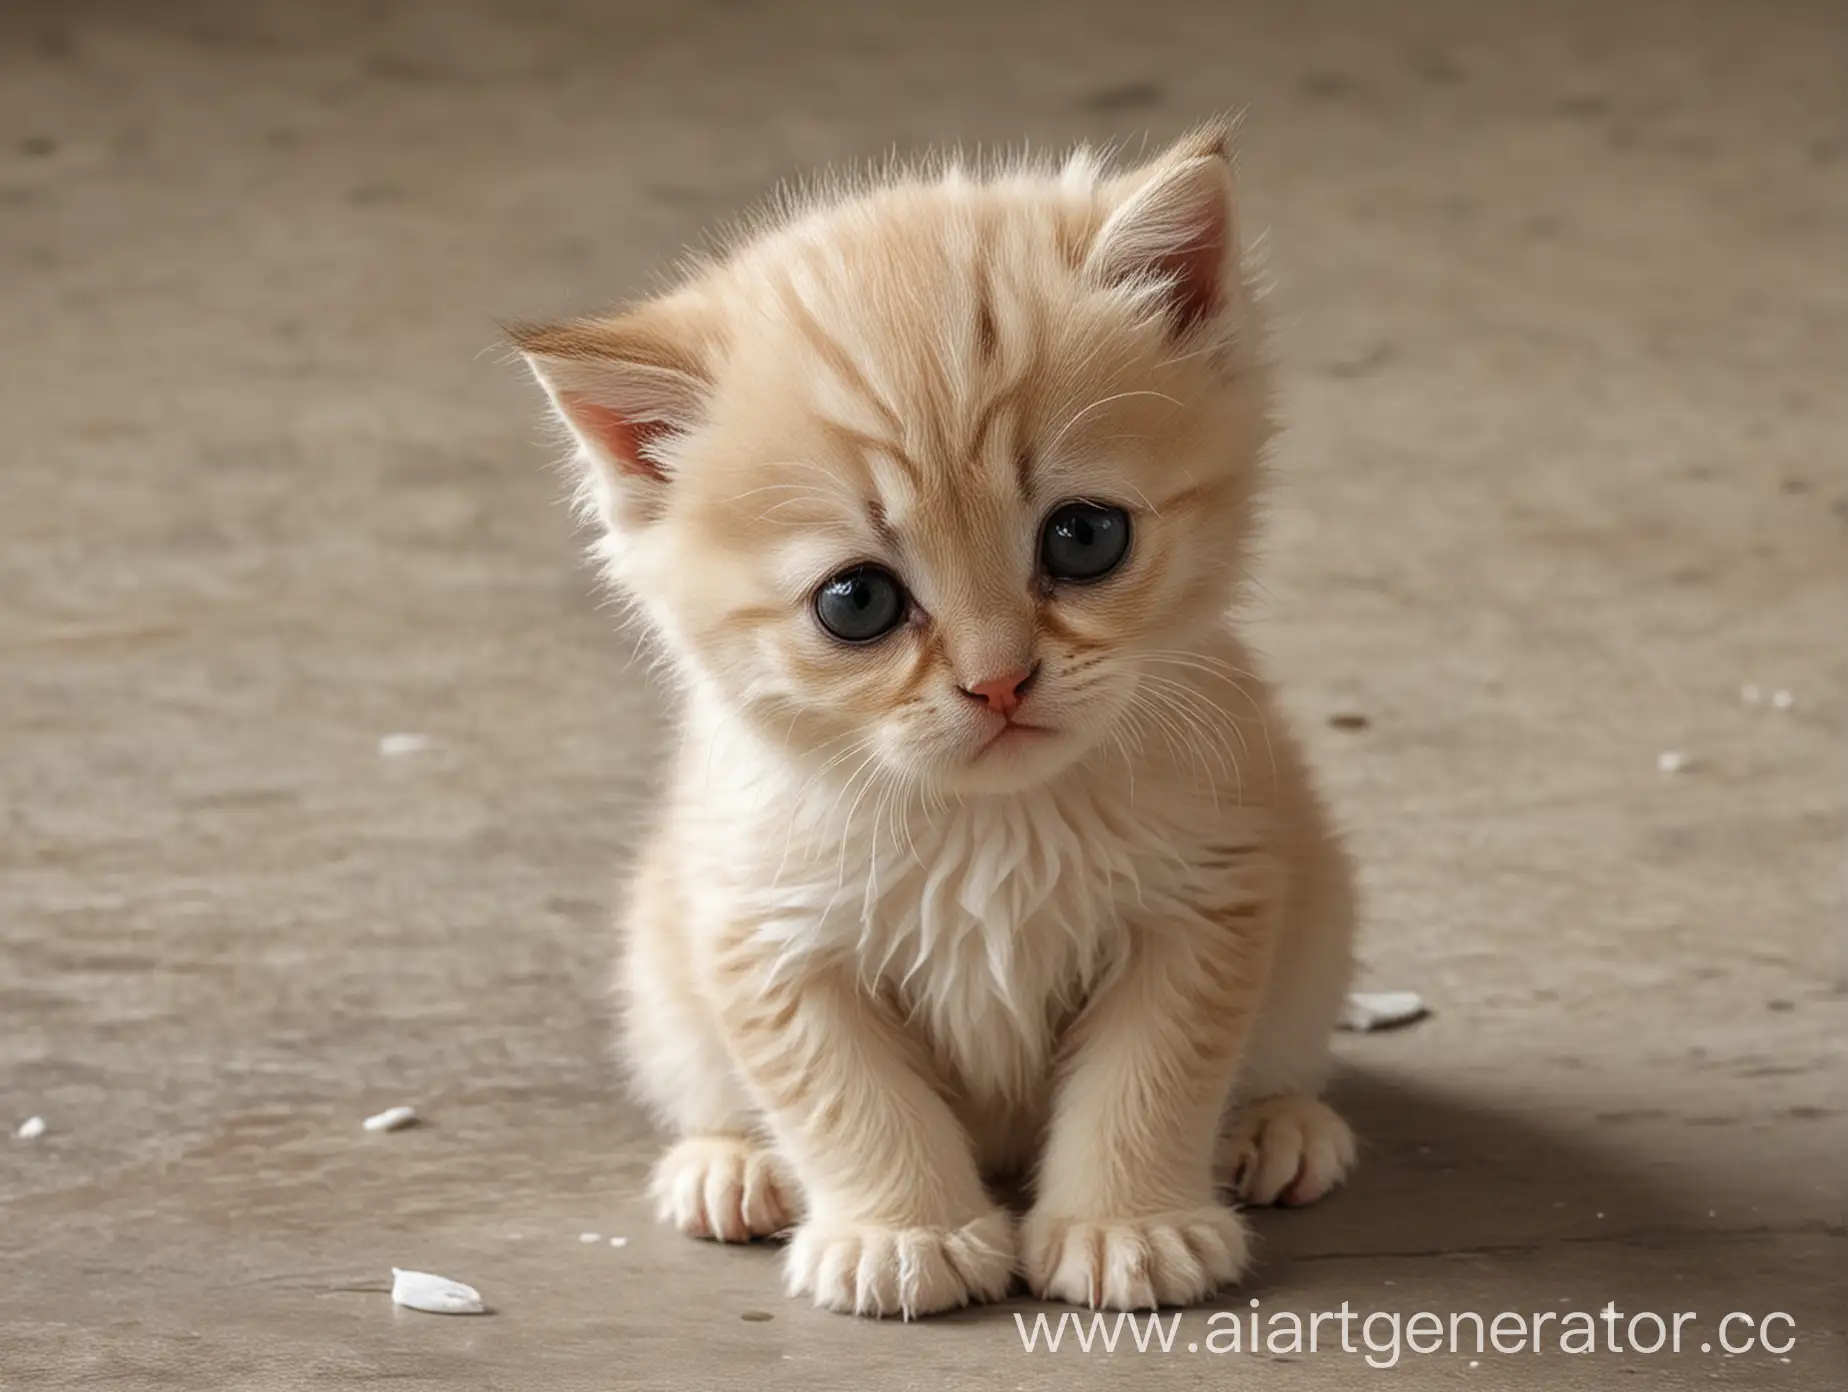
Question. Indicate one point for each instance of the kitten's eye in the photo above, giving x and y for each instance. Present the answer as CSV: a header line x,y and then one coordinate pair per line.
x,y
1084,541
861,604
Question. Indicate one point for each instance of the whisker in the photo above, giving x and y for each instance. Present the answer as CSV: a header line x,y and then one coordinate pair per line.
x,y
1173,698
1207,664
1195,694
1098,405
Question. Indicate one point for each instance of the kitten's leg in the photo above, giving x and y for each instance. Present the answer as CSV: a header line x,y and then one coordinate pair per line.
x,y
898,1221
719,1179
1286,1148
1126,1215
723,1185
1282,1144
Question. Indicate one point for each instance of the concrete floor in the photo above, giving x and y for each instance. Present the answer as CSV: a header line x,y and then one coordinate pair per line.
x,y
1563,318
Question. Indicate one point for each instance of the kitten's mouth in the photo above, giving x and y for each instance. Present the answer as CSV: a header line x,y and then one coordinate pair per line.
x,y
1013,733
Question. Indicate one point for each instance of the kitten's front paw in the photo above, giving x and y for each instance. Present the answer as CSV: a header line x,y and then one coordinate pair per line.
x,y
1287,1150
728,1187
870,1269
1135,1263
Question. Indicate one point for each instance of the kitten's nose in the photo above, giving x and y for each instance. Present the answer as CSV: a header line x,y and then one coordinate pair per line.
x,y
1002,694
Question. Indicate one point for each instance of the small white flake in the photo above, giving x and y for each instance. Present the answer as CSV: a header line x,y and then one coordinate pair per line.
x,y
1378,1010
1671,761
436,1295
1783,700
1475,1363
391,1119
589,1237
31,1128
393,745
619,1242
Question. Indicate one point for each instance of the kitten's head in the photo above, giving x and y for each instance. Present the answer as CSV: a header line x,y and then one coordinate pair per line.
x,y
944,474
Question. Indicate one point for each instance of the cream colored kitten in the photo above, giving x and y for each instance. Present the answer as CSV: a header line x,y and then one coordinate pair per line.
x,y
985,850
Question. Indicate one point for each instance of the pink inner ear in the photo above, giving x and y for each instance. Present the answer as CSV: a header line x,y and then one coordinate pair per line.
x,y
622,439
1196,269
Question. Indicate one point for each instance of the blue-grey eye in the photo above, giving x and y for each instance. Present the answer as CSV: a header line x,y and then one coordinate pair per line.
x,y
861,604
1084,541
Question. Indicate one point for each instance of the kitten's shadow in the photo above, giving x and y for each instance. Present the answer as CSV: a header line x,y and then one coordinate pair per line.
x,y
1444,1180
1443,1176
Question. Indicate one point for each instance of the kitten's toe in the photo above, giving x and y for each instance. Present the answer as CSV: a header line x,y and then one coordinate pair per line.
x,y
725,1187
1288,1150
1175,1258
879,1270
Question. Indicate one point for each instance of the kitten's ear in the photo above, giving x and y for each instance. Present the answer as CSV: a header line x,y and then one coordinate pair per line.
x,y
626,387
1173,223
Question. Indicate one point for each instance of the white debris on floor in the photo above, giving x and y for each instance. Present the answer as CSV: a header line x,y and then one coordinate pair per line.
x,y
391,1119
589,1237
619,1242
435,1295
1366,1011
393,745
1671,761
31,1128
1753,695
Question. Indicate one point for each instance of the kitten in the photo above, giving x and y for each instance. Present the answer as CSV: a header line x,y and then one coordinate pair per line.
x,y
985,850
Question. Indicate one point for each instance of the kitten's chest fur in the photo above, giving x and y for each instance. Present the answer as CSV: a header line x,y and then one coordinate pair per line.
x,y
996,932
989,924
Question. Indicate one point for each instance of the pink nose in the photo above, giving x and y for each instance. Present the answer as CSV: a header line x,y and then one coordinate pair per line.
x,y
1002,694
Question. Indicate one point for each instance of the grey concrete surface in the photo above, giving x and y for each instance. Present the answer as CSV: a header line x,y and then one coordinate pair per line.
x,y
1562,314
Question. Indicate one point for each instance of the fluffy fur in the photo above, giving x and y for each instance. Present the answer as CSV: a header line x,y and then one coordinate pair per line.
x,y
882,948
